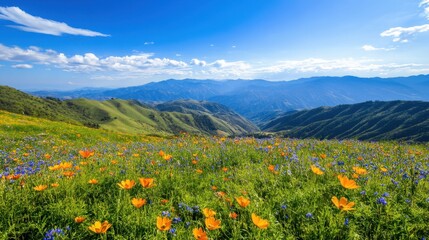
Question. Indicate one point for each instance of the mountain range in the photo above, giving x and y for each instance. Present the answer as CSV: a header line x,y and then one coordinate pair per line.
x,y
256,99
318,107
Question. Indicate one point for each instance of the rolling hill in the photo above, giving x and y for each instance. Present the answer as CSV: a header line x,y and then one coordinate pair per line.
x,y
132,116
253,98
19,102
204,109
400,120
127,115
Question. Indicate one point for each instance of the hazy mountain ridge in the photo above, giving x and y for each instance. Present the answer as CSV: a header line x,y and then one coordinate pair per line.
x,y
401,120
127,115
250,98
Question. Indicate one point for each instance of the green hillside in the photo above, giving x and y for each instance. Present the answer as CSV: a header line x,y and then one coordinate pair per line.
x,y
222,117
401,120
16,101
127,116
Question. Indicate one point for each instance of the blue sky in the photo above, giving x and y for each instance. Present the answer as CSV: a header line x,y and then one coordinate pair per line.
x,y
74,44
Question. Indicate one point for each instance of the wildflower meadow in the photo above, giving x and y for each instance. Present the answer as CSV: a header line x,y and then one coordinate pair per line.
x,y
59,181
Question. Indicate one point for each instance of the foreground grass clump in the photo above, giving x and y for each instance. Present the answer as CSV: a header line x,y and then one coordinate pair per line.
x,y
59,181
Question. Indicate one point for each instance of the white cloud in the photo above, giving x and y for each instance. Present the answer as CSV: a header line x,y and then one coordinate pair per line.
x,y
147,66
29,23
372,48
401,34
22,66
225,64
198,62
331,66
220,69
89,62
149,43
425,4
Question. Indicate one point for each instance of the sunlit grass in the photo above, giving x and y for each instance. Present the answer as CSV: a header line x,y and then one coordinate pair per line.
x,y
135,187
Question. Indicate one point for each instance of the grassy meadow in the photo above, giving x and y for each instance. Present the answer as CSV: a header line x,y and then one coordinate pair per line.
x,y
61,181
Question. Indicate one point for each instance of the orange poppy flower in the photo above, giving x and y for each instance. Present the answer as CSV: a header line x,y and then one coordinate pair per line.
x,y
233,215
360,171
161,153
68,174
212,223
220,194
13,177
138,202
126,184
99,227
40,188
199,234
322,156
55,185
79,219
259,222
343,204
86,153
147,182
242,201
65,165
207,212
93,181
316,170
347,183
55,167
199,171
383,169
163,223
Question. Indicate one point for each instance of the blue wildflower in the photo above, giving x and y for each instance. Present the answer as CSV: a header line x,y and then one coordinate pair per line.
x,y
176,220
172,231
166,214
196,209
382,201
